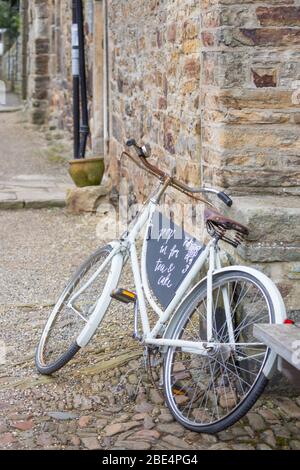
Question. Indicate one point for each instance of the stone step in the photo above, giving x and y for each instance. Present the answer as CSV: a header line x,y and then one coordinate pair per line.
x,y
274,224
32,192
10,109
273,245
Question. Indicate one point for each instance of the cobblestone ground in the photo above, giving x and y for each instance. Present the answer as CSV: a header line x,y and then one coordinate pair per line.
x,y
104,398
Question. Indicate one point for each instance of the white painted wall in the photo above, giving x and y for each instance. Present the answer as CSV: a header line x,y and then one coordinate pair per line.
x,y
2,100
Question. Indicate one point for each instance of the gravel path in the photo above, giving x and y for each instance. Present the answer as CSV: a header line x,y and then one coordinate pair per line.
x,y
103,399
33,165
24,150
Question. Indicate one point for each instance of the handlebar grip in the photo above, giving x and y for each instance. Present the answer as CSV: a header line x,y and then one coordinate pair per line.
x,y
226,199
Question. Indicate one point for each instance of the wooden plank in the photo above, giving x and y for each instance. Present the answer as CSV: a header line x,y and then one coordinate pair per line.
x,y
283,339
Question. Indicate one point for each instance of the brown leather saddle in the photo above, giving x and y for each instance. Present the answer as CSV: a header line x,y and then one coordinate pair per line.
x,y
219,225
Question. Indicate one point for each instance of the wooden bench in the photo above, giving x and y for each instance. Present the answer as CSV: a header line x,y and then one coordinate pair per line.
x,y
285,341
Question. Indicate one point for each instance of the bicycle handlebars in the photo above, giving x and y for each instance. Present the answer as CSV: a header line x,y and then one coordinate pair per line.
x,y
144,153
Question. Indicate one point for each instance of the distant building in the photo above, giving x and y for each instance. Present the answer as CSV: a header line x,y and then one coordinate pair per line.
x,y
2,33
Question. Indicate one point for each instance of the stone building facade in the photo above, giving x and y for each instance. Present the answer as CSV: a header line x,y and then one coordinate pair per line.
x,y
49,62
212,85
49,88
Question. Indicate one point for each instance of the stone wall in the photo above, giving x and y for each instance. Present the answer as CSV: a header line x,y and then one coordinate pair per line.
x,y
210,85
38,61
49,65
155,82
251,141
250,62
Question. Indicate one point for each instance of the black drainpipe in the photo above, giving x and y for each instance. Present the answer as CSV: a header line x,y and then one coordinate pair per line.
x,y
84,128
75,73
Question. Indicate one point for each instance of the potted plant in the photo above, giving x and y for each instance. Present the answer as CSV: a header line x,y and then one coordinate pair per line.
x,y
87,171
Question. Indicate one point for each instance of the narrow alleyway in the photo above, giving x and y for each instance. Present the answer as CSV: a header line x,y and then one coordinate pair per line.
x,y
104,398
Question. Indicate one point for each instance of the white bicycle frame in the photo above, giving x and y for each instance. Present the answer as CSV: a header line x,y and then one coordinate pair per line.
x,y
127,246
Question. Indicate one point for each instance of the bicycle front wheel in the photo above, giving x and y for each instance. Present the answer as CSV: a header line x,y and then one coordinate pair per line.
x,y
58,343
208,392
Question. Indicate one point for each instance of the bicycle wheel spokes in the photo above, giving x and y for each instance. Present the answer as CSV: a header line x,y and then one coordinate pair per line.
x,y
205,389
69,316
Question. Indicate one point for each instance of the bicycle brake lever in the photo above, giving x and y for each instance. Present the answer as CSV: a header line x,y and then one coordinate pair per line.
x,y
139,150
131,143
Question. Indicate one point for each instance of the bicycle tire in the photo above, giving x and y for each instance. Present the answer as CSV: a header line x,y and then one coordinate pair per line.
x,y
260,382
49,369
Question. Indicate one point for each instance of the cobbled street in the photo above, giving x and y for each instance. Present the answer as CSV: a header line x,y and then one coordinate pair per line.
x,y
104,398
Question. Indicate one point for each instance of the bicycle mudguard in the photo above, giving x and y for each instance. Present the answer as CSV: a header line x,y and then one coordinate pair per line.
x,y
280,310
279,307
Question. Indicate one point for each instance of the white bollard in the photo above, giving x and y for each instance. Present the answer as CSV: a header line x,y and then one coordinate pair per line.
x,y
2,93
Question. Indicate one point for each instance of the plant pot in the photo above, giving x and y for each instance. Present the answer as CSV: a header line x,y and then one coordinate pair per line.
x,y
87,171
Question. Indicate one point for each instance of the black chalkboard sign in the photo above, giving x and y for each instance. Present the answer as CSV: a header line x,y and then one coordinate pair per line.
x,y
171,252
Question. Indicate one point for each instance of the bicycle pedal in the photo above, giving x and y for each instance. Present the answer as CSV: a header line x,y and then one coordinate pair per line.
x,y
124,295
179,390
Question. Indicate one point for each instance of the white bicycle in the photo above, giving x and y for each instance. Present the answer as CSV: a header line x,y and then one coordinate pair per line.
x,y
213,368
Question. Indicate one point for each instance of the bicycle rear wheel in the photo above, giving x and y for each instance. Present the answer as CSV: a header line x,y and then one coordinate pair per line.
x,y
58,343
208,393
